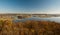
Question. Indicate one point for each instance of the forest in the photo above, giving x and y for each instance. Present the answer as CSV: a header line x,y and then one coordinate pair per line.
x,y
29,27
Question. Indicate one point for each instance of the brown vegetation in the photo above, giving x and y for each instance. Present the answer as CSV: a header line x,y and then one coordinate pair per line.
x,y
32,27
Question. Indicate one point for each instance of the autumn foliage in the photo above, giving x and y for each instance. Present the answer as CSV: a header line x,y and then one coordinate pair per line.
x,y
30,27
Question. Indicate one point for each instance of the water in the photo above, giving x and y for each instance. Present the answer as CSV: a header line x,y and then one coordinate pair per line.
x,y
56,19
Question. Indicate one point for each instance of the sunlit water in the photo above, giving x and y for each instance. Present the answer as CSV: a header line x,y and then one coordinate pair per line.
x,y
56,19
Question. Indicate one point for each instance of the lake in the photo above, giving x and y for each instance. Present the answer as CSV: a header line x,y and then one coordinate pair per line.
x,y
56,19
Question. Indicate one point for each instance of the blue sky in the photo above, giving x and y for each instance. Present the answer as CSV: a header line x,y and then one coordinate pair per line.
x,y
30,6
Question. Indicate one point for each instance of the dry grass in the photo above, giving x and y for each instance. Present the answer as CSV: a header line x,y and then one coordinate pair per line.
x,y
7,27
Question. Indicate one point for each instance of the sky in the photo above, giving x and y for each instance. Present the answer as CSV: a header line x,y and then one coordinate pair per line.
x,y
30,6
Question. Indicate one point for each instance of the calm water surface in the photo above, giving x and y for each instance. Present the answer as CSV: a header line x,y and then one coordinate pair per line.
x,y
56,19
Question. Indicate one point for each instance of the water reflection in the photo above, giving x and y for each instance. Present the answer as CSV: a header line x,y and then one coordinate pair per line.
x,y
56,19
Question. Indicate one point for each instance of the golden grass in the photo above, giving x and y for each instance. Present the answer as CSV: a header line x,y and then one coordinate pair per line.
x,y
7,27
